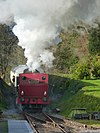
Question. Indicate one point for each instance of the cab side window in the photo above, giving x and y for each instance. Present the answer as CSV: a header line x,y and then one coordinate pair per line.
x,y
13,79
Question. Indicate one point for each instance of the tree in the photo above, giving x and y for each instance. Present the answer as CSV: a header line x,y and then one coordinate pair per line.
x,y
94,40
64,57
96,67
7,42
82,71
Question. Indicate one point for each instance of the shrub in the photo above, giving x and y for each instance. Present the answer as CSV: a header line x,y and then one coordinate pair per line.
x,y
82,71
96,69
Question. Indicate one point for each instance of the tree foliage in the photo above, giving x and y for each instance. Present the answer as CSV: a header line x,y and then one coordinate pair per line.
x,y
96,67
74,54
64,56
94,40
7,42
82,71
89,69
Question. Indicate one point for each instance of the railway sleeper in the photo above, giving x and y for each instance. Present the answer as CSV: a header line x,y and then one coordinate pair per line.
x,y
51,123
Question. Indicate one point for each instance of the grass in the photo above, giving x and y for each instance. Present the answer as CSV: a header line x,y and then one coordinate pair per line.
x,y
93,123
87,97
76,94
3,127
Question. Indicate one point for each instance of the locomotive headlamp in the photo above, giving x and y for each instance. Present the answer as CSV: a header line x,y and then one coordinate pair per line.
x,y
45,99
45,93
22,99
43,78
22,93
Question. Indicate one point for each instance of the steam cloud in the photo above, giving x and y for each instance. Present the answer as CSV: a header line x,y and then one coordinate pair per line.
x,y
39,23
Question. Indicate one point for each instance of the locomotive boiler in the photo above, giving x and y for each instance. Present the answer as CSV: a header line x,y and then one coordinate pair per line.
x,y
31,87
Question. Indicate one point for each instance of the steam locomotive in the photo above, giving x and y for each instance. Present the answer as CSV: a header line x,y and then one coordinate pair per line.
x,y
31,87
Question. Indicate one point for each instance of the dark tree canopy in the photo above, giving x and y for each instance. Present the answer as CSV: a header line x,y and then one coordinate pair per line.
x,y
7,42
94,40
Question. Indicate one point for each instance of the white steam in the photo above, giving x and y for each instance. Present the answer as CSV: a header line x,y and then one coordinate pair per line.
x,y
39,23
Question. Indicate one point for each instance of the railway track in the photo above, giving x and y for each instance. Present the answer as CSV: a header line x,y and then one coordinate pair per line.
x,y
43,123
32,124
72,125
46,123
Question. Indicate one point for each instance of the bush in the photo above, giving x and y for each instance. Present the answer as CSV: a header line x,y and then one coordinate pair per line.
x,y
82,71
96,69
90,69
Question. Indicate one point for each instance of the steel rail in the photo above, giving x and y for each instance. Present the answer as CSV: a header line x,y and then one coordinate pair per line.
x,y
37,119
48,121
32,124
54,123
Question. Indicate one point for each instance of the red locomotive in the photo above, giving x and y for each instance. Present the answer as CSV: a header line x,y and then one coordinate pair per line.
x,y
32,87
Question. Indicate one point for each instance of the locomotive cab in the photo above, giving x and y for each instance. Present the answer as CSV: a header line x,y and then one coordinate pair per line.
x,y
14,74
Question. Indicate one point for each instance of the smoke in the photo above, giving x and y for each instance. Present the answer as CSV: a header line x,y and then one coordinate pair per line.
x,y
39,23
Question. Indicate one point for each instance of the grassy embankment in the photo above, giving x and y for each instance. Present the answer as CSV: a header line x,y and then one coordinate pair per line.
x,y
2,103
86,97
76,94
4,89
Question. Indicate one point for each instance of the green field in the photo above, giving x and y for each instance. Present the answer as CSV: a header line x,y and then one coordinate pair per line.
x,y
93,123
87,97
76,94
